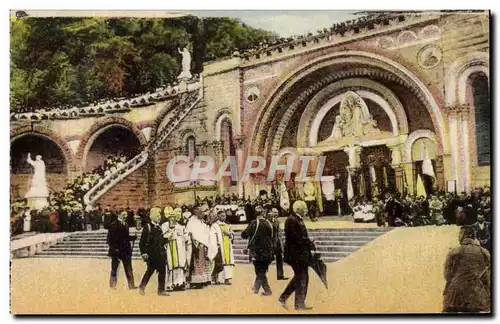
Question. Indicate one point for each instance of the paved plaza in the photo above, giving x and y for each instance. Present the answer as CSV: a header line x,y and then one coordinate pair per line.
x,y
400,272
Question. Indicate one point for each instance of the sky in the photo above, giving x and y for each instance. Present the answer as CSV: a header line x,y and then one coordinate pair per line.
x,y
285,23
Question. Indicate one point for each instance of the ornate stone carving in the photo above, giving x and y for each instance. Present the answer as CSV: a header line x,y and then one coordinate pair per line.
x,y
429,31
252,94
406,36
429,56
354,119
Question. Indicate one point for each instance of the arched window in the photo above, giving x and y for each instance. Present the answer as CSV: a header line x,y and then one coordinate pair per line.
x,y
480,98
191,147
227,139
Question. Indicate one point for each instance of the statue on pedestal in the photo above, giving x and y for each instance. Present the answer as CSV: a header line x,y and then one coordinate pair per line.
x,y
38,191
186,64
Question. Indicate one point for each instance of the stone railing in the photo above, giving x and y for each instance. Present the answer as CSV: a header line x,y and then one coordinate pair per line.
x,y
189,100
107,107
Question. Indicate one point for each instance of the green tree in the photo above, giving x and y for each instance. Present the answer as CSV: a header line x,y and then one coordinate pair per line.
x,y
75,61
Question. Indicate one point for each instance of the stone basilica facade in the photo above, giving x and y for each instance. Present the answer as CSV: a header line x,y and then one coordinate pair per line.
x,y
413,87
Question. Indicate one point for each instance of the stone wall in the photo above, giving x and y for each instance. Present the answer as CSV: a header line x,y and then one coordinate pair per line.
x,y
132,191
19,183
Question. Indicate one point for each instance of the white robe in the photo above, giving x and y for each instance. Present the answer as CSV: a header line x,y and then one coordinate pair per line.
x,y
178,249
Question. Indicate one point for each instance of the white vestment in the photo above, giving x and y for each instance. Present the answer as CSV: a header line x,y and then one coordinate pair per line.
x,y
178,255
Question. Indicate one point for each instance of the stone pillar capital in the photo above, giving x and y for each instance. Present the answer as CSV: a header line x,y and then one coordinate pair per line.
x,y
354,153
396,155
458,109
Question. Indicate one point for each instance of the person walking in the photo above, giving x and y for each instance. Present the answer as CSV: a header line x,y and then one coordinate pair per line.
x,y
297,254
152,247
260,249
272,217
120,249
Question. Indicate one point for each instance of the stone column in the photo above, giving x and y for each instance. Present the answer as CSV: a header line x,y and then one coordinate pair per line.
x,y
466,140
454,145
396,164
458,119
240,162
354,153
407,168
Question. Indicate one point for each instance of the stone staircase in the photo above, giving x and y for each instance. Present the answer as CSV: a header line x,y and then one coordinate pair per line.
x,y
333,244
188,99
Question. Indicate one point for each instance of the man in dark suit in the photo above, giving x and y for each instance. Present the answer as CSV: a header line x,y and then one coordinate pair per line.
x,y
298,248
260,245
272,217
393,210
483,231
152,246
120,250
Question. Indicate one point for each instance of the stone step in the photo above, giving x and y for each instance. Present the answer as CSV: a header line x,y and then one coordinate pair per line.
x,y
322,248
326,259
327,238
332,244
310,231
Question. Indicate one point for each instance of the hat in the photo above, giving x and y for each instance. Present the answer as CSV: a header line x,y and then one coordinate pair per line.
x,y
262,192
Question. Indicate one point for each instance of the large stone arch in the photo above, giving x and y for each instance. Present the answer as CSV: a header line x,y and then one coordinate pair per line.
x,y
55,152
458,73
38,130
408,145
99,128
219,118
378,66
368,89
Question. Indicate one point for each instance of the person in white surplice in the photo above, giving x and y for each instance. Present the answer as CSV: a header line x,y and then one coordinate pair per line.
x,y
177,246
225,237
38,186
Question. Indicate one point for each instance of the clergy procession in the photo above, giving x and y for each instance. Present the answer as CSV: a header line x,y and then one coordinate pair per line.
x,y
187,250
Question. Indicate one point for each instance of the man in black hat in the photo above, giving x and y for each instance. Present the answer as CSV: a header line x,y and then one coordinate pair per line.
x,y
272,217
120,250
260,245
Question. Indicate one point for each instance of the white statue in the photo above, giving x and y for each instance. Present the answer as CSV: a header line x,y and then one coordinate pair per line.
x,y
354,119
337,128
186,64
38,190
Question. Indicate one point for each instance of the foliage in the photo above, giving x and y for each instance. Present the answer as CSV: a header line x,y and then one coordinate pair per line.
x,y
63,62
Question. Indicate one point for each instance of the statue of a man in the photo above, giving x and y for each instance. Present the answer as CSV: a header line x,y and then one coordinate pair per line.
x,y
38,186
186,64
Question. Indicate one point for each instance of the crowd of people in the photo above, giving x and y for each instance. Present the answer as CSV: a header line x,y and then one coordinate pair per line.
x,y
66,210
367,21
188,249
192,248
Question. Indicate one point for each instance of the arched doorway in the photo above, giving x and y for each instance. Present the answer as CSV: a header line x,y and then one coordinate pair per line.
x,y
110,142
56,167
304,109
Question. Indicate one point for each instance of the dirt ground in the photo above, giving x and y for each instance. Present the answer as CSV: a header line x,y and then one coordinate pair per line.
x,y
400,272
